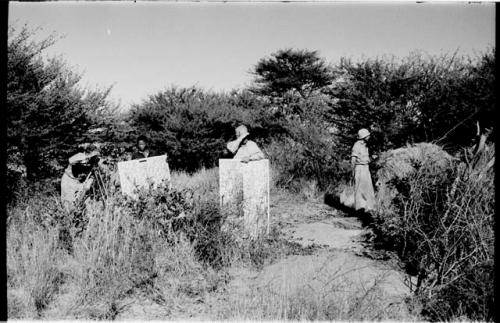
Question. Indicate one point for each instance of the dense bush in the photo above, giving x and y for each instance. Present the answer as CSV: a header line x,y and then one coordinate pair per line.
x,y
417,99
191,126
443,232
48,112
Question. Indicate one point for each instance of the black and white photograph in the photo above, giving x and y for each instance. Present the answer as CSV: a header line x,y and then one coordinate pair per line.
x,y
250,161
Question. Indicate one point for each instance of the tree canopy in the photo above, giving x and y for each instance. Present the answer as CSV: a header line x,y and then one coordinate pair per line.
x,y
301,71
48,113
416,99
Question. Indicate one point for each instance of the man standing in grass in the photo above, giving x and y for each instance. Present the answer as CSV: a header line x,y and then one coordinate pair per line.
x,y
244,149
364,195
76,181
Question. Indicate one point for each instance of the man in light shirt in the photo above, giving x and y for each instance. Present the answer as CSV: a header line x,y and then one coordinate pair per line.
x,y
76,180
364,195
244,149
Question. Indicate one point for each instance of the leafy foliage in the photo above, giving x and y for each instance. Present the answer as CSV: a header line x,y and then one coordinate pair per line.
x,y
300,71
416,99
48,113
192,126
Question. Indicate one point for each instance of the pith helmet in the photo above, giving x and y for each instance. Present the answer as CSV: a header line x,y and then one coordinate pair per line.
x,y
241,131
363,133
82,158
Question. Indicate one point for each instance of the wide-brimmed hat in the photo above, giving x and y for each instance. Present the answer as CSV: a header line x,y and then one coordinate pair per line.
x,y
241,133
82,158
363,133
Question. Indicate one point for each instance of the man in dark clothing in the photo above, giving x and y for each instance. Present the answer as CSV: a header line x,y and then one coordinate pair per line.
x,y
142,150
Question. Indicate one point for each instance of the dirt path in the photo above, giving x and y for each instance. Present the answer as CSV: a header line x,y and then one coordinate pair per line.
x,y
344,248
337,270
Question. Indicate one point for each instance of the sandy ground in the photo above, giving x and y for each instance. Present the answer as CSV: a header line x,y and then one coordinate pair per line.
x,y
338,265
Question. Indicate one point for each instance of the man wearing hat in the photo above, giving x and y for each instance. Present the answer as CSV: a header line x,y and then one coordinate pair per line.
x,y
364,195
244,149
76,180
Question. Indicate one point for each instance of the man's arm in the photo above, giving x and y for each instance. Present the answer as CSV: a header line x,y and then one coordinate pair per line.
x,y
354,157
353,161
84,188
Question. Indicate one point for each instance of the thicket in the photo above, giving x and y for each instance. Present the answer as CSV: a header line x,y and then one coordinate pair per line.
x,y
191,125
442,229
415,99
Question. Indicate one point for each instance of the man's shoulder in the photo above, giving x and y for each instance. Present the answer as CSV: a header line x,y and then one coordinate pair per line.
x,y
358,146
251,143
359,143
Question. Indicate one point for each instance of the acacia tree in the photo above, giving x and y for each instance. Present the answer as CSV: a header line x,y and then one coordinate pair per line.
x,y
294,81
48,113
299,71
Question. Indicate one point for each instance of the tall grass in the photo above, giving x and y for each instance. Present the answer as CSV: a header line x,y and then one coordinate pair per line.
x,y
315,288
116,253
113,255
33,269
33,258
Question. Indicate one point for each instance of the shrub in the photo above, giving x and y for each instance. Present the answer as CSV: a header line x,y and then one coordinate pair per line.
x,y
395,166
203,226
443,232
294,162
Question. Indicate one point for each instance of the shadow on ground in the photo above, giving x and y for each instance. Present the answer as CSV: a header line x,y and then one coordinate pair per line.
x,y
334,201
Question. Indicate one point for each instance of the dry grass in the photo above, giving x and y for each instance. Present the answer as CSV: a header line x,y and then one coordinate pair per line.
x,y
331,287
115,256
33,268
109,255
203,182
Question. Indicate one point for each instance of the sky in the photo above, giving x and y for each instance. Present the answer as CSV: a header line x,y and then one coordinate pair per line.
x,y
145,47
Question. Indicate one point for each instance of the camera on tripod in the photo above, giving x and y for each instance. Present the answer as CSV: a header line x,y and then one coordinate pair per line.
x,y
93,161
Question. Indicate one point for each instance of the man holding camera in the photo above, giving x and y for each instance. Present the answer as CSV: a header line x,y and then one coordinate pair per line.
x,y
76,181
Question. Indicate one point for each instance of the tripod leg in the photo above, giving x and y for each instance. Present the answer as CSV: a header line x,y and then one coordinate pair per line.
x,y
101,182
